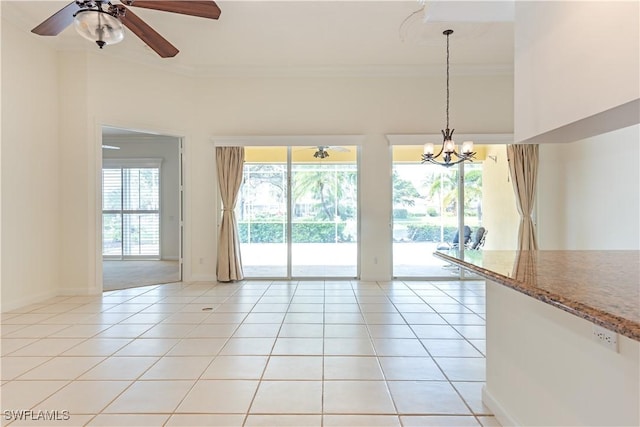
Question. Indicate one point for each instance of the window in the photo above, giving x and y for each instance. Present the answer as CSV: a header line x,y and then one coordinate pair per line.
x,y
131,209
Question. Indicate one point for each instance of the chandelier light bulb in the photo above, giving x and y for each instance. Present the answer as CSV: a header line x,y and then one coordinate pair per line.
x,y
449,146
467,147
428,149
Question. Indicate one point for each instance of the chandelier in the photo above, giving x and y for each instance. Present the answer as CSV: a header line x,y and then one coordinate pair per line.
x,y
448,149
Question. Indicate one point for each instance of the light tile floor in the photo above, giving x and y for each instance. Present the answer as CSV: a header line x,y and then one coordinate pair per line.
x,y
256,353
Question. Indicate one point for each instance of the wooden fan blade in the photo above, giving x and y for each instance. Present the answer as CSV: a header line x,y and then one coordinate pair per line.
x,y
148,35
203,9
57,22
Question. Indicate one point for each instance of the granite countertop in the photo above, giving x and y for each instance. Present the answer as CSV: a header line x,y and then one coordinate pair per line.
x,y
600,286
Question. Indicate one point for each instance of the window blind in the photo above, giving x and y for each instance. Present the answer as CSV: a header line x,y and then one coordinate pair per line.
x,y
131,212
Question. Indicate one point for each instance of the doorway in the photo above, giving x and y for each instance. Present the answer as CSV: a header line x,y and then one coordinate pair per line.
x,y
141,209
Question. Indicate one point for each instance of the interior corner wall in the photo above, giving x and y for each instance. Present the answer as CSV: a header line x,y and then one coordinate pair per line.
x,y
589,193
573,60
30,170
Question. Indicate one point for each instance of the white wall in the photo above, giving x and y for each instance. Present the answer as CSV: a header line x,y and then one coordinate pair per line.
x,y
369,106
589,192
542,357
78,158
96,90
573,60
166,149
499,212
31,213
202,108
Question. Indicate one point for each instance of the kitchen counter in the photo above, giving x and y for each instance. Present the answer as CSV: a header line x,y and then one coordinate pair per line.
x,y
602,287
547,361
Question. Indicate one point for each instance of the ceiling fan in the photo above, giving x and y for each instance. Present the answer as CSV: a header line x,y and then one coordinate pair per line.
x,y
322,151
102,22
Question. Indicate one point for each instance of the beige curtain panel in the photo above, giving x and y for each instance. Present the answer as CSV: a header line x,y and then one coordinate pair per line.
x,y
229,161
523,168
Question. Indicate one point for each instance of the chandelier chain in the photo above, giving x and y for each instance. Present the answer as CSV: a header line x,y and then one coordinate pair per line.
x,y
447,81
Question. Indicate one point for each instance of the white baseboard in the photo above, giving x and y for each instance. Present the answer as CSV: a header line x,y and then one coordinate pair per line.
x,y
498,410
31,299
200,278
80,291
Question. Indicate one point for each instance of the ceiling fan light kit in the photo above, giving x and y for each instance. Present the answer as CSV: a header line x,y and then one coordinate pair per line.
x,y
102,22
321,153
100,26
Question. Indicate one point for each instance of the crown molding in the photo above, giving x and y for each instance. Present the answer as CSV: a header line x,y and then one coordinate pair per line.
x,y
329,71
286,140
250,71
350,71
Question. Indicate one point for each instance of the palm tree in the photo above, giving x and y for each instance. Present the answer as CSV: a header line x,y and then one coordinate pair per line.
x,y
404,192
265,179
335,190
447,186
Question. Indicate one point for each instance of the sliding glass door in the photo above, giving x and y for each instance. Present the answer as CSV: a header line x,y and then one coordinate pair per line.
x,y
426,212
324,198
297,212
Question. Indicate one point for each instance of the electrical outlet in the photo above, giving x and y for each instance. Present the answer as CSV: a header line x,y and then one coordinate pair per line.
x,y
605,337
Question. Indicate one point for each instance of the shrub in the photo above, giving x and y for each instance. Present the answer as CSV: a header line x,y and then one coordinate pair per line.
x,y
316,232
262,232
301,232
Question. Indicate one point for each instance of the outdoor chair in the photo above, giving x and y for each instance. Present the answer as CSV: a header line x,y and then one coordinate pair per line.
x,y
456,240
478,239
